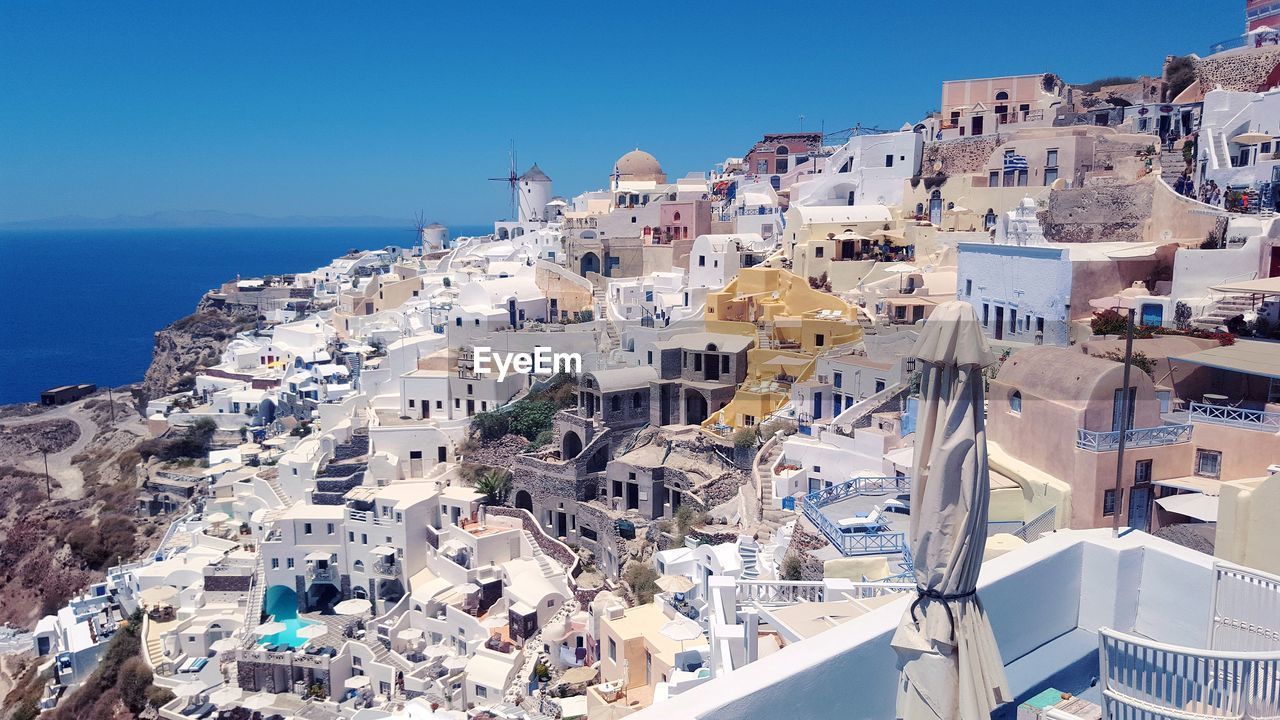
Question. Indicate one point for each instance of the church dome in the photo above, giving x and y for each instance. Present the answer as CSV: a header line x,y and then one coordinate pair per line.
x,y
639,165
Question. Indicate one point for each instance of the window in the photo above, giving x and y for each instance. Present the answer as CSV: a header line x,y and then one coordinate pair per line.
x,y
1022,178
880,384
1208,463
410,403
762,166
837,379
615,403
1109,503
993,179
1015,402
817,468
1051,158
351,537
328,528
1050,175
702,261
817,252
986,315
968,288
306,528
289,563
888,161
1142,472
481,691
275,563
613,650
819,340
635,400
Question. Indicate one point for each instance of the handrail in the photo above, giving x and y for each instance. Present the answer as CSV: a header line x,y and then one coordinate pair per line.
x,y
1234,416
1095,441
1149,679
866,543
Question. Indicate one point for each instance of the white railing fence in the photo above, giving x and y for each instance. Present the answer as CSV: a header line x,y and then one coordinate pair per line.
x,y
1246,610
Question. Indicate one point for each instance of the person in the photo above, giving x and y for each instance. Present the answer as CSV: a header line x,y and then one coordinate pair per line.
x,y
1180,185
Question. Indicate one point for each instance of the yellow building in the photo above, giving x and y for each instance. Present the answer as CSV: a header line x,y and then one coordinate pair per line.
x,y
1247,530
632,647
792,323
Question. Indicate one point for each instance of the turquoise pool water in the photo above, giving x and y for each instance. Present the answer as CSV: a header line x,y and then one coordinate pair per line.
x,y
288,636
281,603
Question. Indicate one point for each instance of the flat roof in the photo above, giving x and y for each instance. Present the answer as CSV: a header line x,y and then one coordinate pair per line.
x,y
1251,357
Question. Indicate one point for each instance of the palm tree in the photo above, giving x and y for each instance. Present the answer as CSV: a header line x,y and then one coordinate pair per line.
x,y
495,484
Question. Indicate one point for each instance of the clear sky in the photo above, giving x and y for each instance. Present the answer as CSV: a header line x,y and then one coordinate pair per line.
x,y
324,108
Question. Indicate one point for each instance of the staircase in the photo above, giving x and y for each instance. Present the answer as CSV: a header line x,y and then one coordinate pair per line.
x,y
550,568
748,552
253,610
1223,310
602,313
155,653
764,336
1172,164
281,495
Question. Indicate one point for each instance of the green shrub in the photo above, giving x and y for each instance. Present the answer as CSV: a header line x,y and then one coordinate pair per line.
x,y
643,580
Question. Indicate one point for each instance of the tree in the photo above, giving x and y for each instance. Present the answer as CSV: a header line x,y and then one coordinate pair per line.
x,y
643,580
1108,322
791,567
133,681
1179,72
494,483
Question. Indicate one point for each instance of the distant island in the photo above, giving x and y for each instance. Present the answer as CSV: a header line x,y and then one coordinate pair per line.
x,y
198,219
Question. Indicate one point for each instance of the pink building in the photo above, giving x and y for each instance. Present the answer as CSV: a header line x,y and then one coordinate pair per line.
x,y
679,223
778,153
978,107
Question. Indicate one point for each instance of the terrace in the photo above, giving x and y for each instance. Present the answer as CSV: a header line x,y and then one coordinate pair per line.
x,y
1181,636
863,516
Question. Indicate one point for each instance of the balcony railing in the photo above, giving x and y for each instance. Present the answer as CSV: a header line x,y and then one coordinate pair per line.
x,y
389,569
856,543
1138,437
780,592
1235,417
320,574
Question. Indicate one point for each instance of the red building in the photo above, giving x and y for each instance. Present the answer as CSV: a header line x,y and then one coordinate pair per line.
x,y
778,153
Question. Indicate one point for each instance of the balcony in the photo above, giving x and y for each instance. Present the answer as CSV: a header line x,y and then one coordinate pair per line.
x,y
847,541
1138,437
1235,417
320,574
387,569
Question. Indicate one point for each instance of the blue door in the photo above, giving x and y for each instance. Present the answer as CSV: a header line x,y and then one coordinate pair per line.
x,y
1152,314
817,405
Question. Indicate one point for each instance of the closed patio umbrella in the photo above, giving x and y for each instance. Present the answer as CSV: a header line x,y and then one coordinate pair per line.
x,y
950,664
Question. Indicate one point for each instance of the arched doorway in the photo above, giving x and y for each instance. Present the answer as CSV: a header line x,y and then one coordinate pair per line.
x,y
570,446
935,208
524,501
695,409
590,264
280,602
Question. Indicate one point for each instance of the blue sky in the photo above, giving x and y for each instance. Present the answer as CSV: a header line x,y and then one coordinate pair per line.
x,y
324,108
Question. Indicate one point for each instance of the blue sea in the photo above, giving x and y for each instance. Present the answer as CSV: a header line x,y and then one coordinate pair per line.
x,y
83,305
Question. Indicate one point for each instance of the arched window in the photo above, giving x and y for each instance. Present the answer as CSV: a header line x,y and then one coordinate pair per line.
x,y
782,150
1015,402
775,182
635,400
919,208
358,566
951,206
616,403
676,217
1002,95
622,200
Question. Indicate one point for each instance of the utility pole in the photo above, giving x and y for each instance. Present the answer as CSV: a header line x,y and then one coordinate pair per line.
x,y
48,482
1124,425
111,400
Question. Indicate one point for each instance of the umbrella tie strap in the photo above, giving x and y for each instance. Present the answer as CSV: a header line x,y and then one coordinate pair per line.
x,y
923,593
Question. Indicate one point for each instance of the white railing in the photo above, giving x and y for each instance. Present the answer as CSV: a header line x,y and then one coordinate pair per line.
x,y
1037,526
1235,417
1094,441
1146,680
780,592
1246,610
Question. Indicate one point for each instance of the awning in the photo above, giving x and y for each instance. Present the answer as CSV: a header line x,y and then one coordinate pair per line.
x,y
1192,483
902,457
1193,505
317,556
1265,286
384,550
1251,357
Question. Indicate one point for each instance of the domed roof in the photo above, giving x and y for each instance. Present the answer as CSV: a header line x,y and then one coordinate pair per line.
x,y
639,165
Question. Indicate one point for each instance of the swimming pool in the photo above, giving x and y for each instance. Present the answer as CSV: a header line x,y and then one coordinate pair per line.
x,y
288,636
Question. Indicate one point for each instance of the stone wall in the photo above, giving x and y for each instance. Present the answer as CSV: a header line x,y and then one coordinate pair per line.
x,y
1098,213
958,157
1243,70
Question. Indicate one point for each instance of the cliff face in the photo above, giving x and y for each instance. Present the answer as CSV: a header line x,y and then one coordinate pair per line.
x,y
188,344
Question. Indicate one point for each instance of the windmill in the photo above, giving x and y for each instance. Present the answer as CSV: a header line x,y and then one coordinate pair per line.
x,y
419,225
512,180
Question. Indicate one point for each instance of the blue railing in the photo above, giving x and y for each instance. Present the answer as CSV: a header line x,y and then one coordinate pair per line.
x,y
1137,437
851,543
1235,417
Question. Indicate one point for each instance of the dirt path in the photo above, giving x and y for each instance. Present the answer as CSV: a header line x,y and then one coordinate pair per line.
x,y
68,476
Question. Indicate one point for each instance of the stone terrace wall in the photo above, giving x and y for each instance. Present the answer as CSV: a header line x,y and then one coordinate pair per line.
x,y
1242,70
1098,213
959,157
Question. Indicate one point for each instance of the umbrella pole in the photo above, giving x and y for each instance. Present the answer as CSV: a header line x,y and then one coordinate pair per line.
x,y
1124,425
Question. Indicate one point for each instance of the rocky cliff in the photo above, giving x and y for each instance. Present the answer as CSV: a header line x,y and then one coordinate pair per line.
x,y
188,344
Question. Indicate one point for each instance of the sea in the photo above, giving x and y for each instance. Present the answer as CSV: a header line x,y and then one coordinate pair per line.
x,y
83,306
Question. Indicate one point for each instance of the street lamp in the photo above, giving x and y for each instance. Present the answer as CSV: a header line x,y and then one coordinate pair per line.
x,y
1116,303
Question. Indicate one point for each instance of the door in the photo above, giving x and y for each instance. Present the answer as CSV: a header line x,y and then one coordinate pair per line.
x,y
1140,507
1275,261
1152,314
999,322
1117,401
817,405
935,208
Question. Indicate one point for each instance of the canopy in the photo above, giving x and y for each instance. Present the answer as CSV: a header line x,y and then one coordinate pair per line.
x,y
384,550
902,457
1264,286
269,628
318,555
218,518
902,268
355,682
681,630
226,695
950,664
1251,357
1251,138
675,583
354,606
311,631
190,688
576,675
225,644
1193,505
